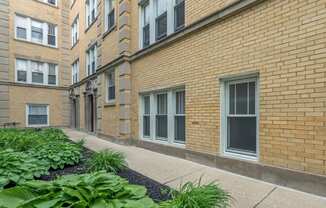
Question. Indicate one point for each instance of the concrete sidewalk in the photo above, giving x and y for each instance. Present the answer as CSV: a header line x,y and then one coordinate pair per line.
x,y
247,192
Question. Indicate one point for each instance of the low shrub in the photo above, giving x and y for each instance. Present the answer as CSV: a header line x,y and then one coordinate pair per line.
x,y
98,189
108,160
193,195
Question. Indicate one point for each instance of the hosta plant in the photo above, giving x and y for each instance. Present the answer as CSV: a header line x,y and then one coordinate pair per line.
x,y
94,190
57,154
108,160
17,167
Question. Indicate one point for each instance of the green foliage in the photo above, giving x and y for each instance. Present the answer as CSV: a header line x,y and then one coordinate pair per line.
x,y
193,195
108,160
18,167
29,153
94,190
57,154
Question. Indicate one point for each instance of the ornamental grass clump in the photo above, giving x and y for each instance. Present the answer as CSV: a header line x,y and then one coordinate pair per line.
x,y
193,195
108,160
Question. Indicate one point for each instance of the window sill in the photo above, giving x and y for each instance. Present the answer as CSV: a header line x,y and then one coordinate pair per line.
x,y
34,43
113,28
110,104
73,46
37,84
90,26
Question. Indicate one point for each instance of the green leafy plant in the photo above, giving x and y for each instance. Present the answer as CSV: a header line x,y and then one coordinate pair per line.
x,y
193,195
17,167
108,160
57,154
98,189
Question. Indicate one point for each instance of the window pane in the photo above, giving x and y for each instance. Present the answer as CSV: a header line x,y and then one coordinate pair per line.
x,y
146,126
21,33
232,99
242,134
37,32
112,93
161,7
179,17
162,104
252,98
37,119
242,98
37,77
52,79
161,26
180,102
180,129
21,76
162,126
147,108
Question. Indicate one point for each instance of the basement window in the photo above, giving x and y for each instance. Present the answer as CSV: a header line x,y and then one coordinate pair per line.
x,y
163,117
240,123
37,115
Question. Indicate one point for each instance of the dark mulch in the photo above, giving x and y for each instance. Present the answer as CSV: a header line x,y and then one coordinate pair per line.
x,y
156,191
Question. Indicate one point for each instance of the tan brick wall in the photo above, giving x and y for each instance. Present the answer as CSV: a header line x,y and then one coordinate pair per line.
x,y
282,40
198,9
21,96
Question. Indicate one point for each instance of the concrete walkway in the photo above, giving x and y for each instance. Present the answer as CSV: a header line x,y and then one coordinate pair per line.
x,y
247,192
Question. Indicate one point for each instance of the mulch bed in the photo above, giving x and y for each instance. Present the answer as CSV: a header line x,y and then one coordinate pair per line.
x,y
156,191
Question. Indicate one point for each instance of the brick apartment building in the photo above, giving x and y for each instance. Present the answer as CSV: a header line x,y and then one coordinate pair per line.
x,y
237,84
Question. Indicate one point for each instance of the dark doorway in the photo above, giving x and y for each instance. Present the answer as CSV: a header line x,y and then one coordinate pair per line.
x,y
90,112
75,113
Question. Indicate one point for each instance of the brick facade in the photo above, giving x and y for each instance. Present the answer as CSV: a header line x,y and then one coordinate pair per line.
x,y
282,43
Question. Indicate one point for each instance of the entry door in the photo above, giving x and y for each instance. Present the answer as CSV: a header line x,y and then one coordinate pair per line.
x,y
91,119
75,113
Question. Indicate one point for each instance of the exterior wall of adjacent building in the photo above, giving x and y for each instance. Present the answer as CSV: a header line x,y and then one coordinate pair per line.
x,y
21,94
287,52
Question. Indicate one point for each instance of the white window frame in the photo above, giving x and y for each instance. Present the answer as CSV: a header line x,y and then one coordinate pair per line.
x,y
90,54
27,114
46,2
170,140
109,5
90,5
45,70
75,72
75,31
109,84
28,27
224,93
152,17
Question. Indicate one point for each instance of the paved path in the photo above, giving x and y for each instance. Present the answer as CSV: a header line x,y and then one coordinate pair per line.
x,y
247,192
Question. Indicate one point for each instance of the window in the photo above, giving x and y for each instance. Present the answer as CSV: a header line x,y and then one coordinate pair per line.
x,y
179,118
75,31
21,27
53,2
146,24
21,69
111,86
51,35
146,116
35,72
161,19
109,14
75,72
158,19
52,75
163,117
37,115
91,60
35,31
90,11
179,14
241,117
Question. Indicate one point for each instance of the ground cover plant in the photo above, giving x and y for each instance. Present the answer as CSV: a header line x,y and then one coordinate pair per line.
x,y
26,154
